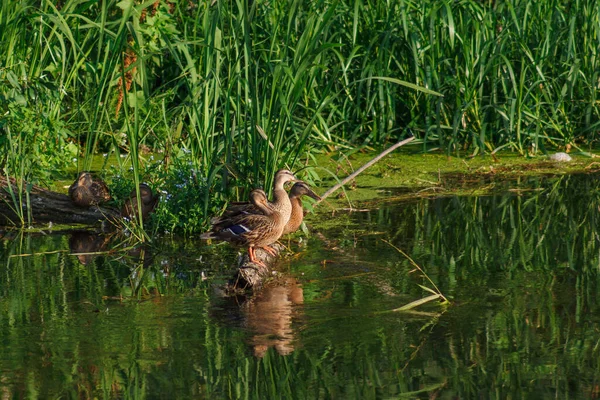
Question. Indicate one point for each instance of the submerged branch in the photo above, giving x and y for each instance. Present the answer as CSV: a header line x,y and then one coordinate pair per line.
x,y
249,274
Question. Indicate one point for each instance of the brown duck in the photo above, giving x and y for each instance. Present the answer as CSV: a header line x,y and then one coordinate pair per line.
x,y
281,203
87,191
297,216
149,202
280,199
250,230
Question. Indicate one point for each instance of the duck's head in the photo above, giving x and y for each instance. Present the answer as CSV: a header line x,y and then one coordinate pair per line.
x,y
84,179
145,192
258,197
283,176
302,189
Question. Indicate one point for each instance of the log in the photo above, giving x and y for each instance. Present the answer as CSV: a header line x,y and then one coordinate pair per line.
x,y
251,275
49,207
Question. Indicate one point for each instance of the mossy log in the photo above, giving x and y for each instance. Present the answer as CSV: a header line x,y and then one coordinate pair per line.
x,y
47,206
251,275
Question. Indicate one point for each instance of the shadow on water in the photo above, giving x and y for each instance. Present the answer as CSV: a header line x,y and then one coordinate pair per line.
x,y
521,269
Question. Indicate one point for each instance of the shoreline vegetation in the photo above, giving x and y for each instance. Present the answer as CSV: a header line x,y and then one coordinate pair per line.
x,y
205,100
400,176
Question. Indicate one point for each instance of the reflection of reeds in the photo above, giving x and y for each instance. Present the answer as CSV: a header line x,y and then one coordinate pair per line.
x,y
550,227
436,293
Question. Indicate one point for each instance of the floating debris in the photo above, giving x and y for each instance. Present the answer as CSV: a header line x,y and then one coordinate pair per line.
x,y
560,157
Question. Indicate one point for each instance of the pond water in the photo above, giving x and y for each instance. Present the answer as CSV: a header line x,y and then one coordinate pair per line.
x,y
520,268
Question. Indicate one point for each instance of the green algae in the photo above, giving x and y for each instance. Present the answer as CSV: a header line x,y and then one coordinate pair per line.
x,y
405,175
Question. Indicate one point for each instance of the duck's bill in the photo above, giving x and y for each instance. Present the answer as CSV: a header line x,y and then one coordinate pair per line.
x,y
313,195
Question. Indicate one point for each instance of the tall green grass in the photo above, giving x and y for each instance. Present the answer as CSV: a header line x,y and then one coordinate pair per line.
x,y
251,86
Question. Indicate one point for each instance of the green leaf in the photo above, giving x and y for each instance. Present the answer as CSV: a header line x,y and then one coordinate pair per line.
x,y
402,83
125,4
417,303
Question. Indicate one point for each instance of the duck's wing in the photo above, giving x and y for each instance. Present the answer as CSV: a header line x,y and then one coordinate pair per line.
x,y
236,211
243,229
100,191
72,189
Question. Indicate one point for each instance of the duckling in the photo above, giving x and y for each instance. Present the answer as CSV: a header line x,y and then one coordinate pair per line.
x,y
87,191
297,216
250,230
149,202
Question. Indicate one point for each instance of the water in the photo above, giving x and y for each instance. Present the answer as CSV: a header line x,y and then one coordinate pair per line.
x,y
520,268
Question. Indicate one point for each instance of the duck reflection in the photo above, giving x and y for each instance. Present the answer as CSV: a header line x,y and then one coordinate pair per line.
x,y
269,315
84,243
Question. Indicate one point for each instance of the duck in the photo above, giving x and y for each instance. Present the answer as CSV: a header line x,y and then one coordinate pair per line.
x,y
281,201
149,202
281,204
299,189
297,216
250,230
87,191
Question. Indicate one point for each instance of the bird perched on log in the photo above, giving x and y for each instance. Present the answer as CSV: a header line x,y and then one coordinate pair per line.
x,y
297,216
87,191
250,230
148,203
281,201
281,205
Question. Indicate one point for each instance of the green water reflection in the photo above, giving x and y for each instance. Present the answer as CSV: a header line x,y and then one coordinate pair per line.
x,y
521,269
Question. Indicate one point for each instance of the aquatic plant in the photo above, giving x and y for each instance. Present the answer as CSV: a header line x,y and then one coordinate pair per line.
x,y
187,196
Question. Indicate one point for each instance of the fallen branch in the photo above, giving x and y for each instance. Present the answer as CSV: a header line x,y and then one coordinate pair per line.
x,y
47,206
364,167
